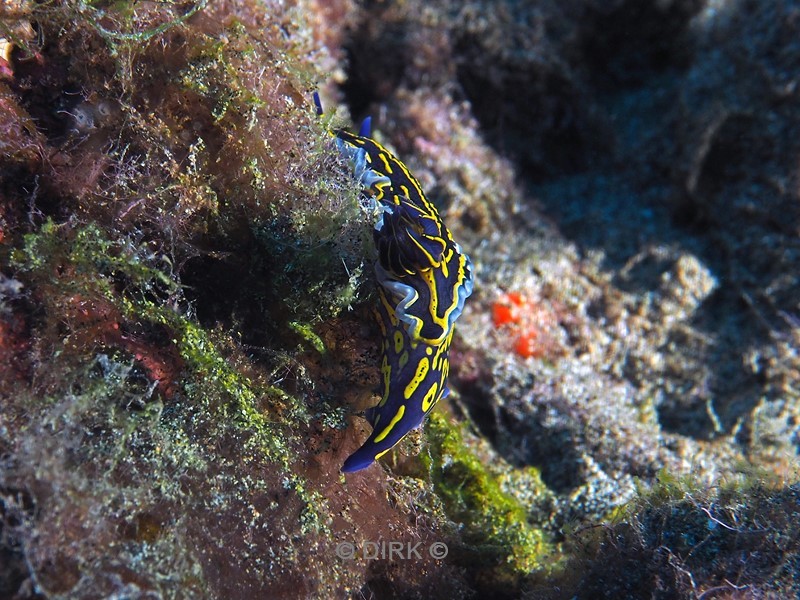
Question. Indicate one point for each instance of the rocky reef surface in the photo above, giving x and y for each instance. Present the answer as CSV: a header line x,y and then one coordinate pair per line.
x,y
186,287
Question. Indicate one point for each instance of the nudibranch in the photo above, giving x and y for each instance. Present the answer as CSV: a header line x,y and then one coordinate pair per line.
x,y
425,278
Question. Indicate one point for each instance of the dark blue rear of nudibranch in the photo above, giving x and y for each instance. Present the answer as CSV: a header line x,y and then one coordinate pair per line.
x,y
414,377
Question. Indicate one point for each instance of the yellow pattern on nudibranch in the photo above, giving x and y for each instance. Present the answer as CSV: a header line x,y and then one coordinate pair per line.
x,y
387,166
400,412
398,342
423,366
429,398
424,278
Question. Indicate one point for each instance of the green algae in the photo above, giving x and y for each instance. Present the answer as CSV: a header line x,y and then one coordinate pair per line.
x,y
103,266
124,14
307,333
103,448
159,452
496,525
